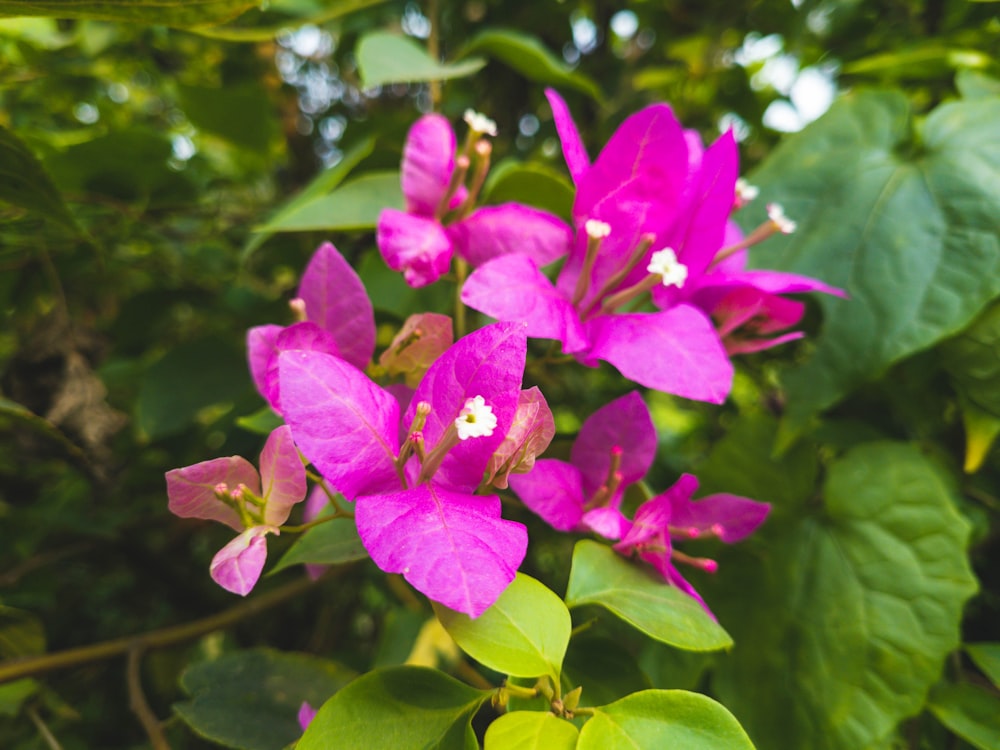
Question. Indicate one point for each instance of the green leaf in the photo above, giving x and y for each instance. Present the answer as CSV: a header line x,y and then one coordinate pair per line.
x,y
127,165
524,633
356,205
531,730
262,422
972,84
527,55
330,543
251,699
602,577
929,59
662,719
21,633
530,183
399,707
987,658
14,694
909,230
325,182
25,183
176,13
267,33
242,114
969,711
981,430
972,359
741,463
389,58
211,372
855,604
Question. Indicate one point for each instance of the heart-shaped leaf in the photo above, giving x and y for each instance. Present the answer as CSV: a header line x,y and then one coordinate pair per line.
x,y
908,230
602,577
399,707
664,718
524,633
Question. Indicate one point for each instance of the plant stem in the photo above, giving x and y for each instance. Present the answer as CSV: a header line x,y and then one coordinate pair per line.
x,y
36,665
137,701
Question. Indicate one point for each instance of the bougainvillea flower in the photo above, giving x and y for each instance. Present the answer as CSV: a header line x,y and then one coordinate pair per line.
x,y
614,449
415,504
438,221
672,516
337,318
231,491
652,214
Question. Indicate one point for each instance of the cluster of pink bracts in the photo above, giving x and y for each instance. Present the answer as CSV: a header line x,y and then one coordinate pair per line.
x,y
419,460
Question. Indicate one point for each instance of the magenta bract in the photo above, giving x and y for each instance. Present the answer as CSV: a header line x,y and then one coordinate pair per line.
x,y
420,241
231,491
418,516
338,320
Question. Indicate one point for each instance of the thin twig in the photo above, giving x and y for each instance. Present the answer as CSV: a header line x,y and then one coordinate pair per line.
x,y
32,666
137,700
43,730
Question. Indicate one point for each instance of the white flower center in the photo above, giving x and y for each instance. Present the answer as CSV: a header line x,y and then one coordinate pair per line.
x,y
476,419
745,192
480,123
597,230
664,262
781,222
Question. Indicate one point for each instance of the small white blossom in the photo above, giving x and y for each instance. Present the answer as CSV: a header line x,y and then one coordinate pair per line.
x,y
664,262
480,123
781,222
597,230
476,419
745,192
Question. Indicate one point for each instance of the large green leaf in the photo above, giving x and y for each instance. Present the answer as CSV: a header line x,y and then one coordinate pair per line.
x,y
226,112
331,543
25,183
902,215
987,658
663,719
399,707
186,380
324,183
532,183
177,13
531,730
849,615
527,55
969,711
602,577
390,58
355,205
251,699
524,633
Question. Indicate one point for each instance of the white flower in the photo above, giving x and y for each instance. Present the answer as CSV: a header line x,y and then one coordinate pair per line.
x,y
781,222
480,123
664,262
597,230
745,192
476,419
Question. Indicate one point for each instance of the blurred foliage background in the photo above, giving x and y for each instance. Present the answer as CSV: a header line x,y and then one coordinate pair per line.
x,y
139,158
